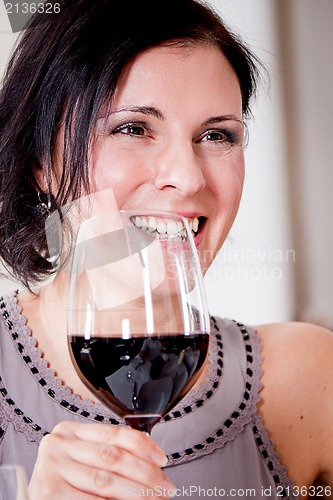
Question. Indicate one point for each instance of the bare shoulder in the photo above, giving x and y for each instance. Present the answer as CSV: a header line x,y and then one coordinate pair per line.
x,y
298,361
297,397
301,344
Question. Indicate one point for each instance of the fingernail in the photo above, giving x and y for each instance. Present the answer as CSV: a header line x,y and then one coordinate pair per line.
x,y
159,458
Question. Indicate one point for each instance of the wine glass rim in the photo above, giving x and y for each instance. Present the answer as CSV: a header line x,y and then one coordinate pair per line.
x,y
131,213
140,212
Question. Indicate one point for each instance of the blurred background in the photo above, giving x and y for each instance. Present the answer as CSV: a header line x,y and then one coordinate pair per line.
x,y
276,264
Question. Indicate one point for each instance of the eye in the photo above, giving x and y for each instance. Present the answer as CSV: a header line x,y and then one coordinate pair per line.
x,y
219,136
213,136
132,129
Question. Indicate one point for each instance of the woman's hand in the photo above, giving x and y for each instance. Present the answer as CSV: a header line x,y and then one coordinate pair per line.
x,y
93,461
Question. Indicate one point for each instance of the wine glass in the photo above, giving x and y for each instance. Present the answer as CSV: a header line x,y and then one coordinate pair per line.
x,y
13,483
138,324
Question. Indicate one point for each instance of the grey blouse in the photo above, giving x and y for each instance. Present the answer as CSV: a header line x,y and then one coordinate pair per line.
x,y
214,439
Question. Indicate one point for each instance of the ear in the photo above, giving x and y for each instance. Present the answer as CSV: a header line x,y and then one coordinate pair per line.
x,y
39,180
48,177
44,181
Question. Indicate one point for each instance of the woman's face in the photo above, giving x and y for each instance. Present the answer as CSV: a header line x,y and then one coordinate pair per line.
x,y
174,141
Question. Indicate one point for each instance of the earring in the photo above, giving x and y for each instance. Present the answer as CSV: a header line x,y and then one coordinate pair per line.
x,y
44,207
52,227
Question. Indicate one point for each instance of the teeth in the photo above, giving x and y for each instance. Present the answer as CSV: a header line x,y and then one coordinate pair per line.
x,y
144,222
138,221
152,223
162,228
172,227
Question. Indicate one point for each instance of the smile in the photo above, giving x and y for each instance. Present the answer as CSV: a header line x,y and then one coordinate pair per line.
x,y
166,229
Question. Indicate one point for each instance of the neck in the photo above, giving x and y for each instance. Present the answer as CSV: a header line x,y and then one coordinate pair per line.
x,y
52,306
46,316
46,313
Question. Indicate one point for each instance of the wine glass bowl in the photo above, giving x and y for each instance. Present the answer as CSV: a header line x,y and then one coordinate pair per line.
x,y
138,325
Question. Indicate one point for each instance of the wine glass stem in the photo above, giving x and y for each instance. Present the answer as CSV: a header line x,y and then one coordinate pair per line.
x,y
143,423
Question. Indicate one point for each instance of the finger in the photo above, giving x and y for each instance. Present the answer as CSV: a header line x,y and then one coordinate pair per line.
x,y
107,484
55,487
136,442
117,460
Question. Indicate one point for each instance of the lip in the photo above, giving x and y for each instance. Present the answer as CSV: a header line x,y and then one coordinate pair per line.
x,y
156,210
185,214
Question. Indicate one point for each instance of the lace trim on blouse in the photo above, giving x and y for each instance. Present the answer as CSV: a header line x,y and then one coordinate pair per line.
x,y
3,424
272,460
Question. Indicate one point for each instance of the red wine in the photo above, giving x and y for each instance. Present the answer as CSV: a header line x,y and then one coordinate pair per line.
x,y
140,378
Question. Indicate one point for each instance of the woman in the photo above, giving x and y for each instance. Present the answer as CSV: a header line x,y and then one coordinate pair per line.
x,y
148,101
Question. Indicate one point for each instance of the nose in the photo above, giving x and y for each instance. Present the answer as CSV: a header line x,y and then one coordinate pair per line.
x,y
178,167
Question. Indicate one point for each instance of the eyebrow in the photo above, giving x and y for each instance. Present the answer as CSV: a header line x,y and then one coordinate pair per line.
x,y
145,110
222,118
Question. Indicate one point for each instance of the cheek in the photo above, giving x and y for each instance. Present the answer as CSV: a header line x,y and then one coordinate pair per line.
x,y
226,186
236,189
120,170
227,182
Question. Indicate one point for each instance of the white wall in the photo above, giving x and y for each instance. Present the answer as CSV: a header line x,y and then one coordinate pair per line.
x,y
307,66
